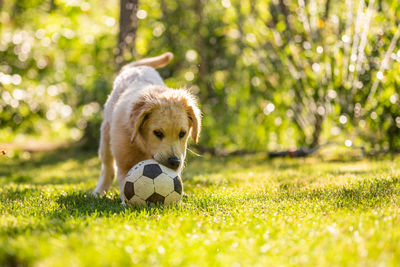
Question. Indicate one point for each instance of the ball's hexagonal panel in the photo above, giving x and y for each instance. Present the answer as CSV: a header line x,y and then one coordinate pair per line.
x,y
155,199
163,184
178,186
172,198
129,190
152,170
134,173
136,201
171,173
144,187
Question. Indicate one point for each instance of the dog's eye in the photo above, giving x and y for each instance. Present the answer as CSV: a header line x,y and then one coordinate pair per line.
x,y
159,134
182,134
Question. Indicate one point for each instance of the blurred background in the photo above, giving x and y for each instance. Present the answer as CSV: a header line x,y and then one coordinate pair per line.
x,y
269,75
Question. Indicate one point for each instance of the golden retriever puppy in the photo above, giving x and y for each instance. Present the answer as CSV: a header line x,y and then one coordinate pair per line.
x,y
144,119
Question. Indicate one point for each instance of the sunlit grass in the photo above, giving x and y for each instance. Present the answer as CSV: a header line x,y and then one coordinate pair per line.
x,y
241,210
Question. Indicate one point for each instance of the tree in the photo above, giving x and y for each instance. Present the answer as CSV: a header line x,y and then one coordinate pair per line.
x,y
127,31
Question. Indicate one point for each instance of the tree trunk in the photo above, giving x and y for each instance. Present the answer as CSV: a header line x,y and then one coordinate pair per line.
x,y
317,130
201,49
52,5
127,30
327,6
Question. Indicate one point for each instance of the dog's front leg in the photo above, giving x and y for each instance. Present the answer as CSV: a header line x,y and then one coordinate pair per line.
x,y
121,183
107,162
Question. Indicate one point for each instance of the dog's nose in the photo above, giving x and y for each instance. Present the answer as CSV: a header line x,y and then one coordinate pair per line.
x,y
173,162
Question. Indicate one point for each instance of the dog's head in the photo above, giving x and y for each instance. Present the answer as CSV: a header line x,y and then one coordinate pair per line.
x,y
162,121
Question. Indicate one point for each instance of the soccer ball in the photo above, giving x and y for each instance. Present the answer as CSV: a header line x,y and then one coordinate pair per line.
x,y
149,182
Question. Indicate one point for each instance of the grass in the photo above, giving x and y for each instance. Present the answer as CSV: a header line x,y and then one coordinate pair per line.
x,y
240,211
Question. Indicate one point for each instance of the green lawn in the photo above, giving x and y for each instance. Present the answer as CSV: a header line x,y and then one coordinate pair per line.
x,y
241,211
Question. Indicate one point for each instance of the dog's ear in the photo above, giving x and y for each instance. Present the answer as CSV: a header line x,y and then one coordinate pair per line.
x,y
139,114
194,116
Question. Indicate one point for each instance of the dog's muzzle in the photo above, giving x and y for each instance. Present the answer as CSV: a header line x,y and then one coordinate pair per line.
x,y
173,162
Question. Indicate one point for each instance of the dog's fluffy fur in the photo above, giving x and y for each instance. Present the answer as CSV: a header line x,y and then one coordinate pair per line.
x,y
144,119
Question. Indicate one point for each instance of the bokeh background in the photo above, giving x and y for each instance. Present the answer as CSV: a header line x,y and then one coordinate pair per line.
x,y
269,75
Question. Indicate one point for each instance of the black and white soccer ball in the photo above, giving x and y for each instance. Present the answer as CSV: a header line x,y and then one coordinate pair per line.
x,y
149,182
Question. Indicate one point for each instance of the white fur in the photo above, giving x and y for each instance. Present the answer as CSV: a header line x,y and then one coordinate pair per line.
x,y
128,86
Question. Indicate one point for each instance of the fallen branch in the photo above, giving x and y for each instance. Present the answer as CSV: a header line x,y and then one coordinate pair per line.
x,y
292,153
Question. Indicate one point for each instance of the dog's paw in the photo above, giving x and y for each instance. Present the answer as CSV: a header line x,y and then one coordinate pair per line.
x,y
96,193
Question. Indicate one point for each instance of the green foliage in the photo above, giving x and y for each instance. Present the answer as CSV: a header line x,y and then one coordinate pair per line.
x,y
269,74
245,211
56,66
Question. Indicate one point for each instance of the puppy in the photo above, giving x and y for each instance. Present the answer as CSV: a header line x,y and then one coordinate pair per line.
x,y
144,119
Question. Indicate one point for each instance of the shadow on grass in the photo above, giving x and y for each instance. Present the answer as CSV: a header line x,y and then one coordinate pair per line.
x,y
84,204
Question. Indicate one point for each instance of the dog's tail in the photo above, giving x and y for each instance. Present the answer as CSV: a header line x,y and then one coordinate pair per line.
x,y
155,62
